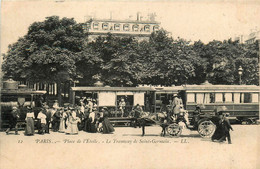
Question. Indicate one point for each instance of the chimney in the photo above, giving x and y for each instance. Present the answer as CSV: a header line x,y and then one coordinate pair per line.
x,y
138,16
111,15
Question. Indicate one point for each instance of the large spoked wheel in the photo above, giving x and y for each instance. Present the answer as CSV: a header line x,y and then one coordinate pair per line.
x,y
174,130
206,128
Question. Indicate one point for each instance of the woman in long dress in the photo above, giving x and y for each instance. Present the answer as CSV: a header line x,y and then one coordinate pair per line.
x,y
29,129
62,121
92,122
73,124
107,126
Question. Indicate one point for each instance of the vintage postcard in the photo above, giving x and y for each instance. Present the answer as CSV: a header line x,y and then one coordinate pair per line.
x,y
130,84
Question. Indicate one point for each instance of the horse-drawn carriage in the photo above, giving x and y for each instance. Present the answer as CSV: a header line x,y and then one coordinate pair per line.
x,y
205,124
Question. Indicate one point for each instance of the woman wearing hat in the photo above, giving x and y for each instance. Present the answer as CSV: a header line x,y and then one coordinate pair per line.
x,y
29,129
107,126
72,123
63,115
92,122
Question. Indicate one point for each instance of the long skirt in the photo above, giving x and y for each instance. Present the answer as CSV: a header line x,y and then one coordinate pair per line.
x,y
107,126
29,129
62,126
72,128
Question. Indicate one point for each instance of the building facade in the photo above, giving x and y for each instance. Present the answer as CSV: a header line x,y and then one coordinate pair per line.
x,y
136,28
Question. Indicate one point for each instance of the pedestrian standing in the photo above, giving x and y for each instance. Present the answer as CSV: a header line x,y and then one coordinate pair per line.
x,y
29,129
42,117
73,121
225,126
106,125
47,112
63,115
13,120
56,120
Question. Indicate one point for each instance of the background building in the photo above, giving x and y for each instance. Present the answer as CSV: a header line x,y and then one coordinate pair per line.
x,y
249,38
139,28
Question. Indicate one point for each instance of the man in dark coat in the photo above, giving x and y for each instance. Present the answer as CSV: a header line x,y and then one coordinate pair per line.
x,y
225,127
13,120
48,119
56,120
136,113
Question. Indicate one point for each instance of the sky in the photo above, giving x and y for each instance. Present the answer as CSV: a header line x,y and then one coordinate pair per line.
x,y
192,20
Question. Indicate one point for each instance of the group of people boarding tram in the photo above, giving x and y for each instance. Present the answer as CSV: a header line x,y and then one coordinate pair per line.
x,y
67,119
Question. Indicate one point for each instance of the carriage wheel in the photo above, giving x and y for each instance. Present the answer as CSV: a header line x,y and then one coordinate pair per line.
x,y
174,130
206,128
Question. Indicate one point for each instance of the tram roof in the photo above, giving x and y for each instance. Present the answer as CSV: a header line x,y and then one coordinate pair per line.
x,y
112,89
22,92
223,87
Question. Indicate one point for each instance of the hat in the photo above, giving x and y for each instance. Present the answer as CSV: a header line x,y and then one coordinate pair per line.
x,y
105,108
46,106
221,109
14,107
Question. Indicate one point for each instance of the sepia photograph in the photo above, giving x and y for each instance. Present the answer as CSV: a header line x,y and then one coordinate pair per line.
x,y
120,84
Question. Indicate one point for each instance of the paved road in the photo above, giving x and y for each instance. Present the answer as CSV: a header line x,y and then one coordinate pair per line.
x,y
127,149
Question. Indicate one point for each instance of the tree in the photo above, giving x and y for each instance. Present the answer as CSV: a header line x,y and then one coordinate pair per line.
x,y
47,53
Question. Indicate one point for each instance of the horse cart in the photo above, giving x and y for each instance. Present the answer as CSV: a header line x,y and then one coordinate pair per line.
x,y
173,126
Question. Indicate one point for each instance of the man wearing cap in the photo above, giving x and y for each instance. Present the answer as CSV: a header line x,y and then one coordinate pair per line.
x,y
13,120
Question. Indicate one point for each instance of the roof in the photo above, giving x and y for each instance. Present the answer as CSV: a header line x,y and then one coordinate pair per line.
x,y
21,92
112,89
123,21
222,87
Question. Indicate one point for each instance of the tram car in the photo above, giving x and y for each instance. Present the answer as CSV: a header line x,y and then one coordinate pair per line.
x,y
15,95
241,101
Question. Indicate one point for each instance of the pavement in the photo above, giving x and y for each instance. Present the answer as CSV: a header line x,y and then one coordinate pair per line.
x,y
126,148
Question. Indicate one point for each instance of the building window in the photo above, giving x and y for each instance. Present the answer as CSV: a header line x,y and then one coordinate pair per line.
x,y
117,27
105,26
156,28
95,26
147,28
135,28
126,27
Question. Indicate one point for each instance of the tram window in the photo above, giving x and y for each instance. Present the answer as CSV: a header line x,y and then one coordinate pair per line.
x,y
158,97
247,98
219,98
200,98
227,97
255,98
236,97
191,97
212,97
206,98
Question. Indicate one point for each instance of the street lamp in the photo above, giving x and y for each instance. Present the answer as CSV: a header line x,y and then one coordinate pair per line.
x,y
240,72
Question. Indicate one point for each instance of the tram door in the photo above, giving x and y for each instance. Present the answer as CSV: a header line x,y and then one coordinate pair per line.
x,y
183,97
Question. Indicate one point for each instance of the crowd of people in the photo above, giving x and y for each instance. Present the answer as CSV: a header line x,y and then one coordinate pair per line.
x,y
67,119
85,116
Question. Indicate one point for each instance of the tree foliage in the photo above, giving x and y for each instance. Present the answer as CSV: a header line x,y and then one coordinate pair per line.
x,y
56,50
